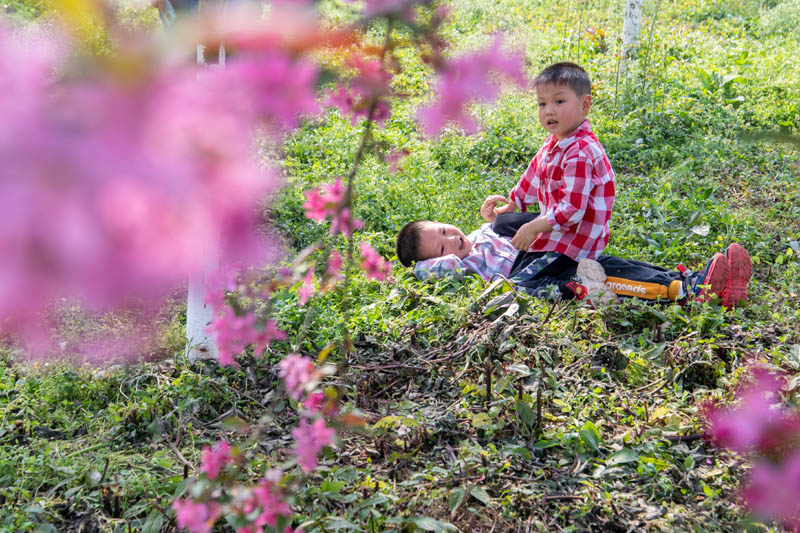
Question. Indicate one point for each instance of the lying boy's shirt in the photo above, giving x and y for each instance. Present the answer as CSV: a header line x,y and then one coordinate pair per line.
x,y
573,183
491,254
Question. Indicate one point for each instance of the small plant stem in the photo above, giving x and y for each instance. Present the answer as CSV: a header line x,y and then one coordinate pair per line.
x,y
86,450
347,343
649,47
539,408
488,369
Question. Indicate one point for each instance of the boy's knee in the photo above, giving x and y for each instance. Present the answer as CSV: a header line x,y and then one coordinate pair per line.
x,y
507,224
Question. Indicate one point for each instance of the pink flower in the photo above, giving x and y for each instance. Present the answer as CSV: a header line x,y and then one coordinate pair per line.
x,y
214,458
279,90
758,422
233,334
772,491
334,266
314,401
113,187
373,264
403,8
395,157
297,371
370,85
325,201
310,439
469,79
268,504
197,517
262,338
342,223
307,288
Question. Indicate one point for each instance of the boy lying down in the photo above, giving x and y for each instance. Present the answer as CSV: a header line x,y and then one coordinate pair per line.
x,y
439,250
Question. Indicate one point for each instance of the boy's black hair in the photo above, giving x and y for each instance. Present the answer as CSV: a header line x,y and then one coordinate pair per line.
x,y
408,242
566,73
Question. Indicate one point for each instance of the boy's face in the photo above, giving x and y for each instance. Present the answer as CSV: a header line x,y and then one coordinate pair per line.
x,y
437,239
561,109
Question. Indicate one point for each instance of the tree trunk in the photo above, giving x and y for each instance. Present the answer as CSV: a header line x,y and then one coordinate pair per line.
x,y
631,30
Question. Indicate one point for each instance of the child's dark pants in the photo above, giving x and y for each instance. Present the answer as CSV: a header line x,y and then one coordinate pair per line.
x,y
626,277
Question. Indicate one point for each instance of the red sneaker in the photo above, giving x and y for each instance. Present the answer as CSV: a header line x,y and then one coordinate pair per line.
x,y
714,279
740,268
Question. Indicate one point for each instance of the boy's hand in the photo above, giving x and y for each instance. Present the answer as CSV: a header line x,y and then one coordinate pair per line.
x,y
525,236
489,209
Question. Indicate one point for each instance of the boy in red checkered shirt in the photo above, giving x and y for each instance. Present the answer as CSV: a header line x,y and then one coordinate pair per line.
x,y
569,181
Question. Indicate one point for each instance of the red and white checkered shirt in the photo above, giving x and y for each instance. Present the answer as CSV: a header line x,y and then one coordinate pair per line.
x,y
573,183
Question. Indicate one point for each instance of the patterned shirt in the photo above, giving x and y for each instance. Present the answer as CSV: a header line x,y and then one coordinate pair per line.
x,y
573,183
491,254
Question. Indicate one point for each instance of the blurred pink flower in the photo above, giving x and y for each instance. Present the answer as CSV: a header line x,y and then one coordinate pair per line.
x,y
772,491
334,266
263,337
343,223
307,288
324,201
115,188
403,8
395,157
214,458
269,505
314,401
197,517
373,264
471,78
233,334
310,439
296,371
370,85
758,422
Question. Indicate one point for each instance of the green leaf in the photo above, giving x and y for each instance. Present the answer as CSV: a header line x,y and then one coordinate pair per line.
x,y
625,455
427,523
338,523
455,499
154,522
481,421
544,444
526,414
590,436
520,368
481,495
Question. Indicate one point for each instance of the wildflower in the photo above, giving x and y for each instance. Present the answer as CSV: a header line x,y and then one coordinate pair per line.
x,y
214,458
262,338
468,79
307,288
771,491
373,264
367,89
759,422
297,371
310,439
334,266
342,223
197,517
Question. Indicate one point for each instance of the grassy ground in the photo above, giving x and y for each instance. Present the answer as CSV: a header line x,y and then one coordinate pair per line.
x,y
537,417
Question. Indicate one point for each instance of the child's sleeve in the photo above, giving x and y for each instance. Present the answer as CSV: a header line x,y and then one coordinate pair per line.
x,y
439,267
524,193
576,192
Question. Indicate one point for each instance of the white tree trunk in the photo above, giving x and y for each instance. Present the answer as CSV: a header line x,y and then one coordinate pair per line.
x,y
631,30
199,344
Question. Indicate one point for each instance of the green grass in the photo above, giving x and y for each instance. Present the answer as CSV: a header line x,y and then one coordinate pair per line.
x,y
618,386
